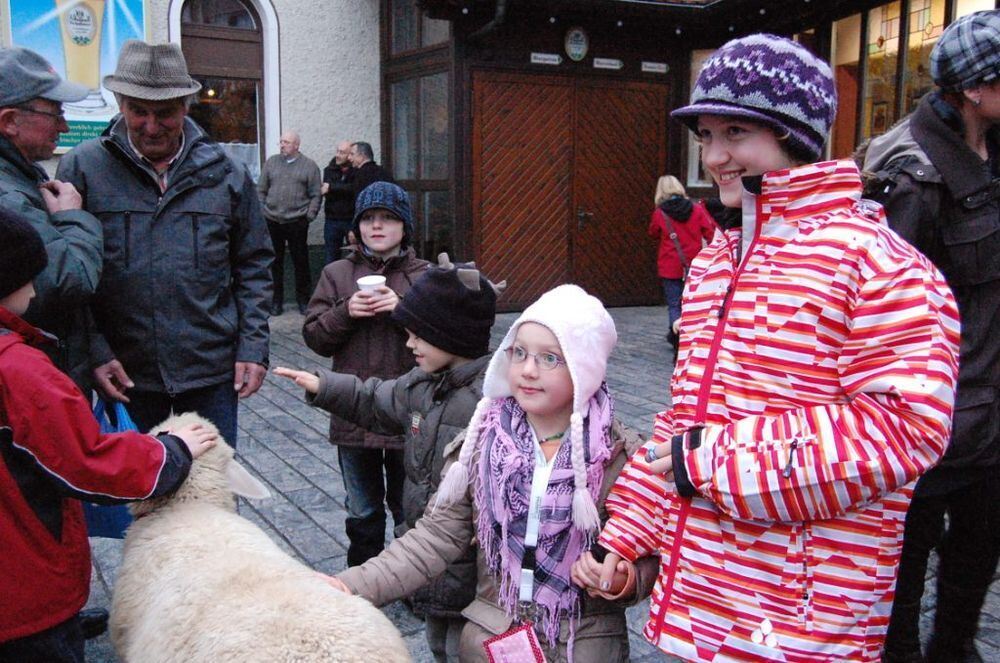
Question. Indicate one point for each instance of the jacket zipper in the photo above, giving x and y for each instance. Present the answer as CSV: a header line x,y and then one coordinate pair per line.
x,y
128,238
704,392
194,223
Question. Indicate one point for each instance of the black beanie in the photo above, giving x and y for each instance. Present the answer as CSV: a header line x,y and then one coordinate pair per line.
x,y
452,307
22,253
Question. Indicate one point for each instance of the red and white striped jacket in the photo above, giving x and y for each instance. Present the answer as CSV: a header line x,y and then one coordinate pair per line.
x,y
823,370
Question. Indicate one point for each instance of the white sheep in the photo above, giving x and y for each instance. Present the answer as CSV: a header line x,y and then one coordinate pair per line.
x,y
200,583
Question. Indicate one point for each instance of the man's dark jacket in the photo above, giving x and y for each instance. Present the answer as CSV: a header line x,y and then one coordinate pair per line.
x,y
369,173
187,274
945,200
75,246
339,198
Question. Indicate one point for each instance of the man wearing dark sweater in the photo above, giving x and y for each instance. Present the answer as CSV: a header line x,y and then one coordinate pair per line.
x,y
289,190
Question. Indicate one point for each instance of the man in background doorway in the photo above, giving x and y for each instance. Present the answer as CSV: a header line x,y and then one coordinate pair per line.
x,y
338,189
367,171
289,190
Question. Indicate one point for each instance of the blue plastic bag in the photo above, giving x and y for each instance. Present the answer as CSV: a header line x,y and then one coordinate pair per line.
x,y
109,521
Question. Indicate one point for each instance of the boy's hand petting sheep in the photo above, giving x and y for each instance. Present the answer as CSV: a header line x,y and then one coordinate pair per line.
x,y
305,379
335,582
197,438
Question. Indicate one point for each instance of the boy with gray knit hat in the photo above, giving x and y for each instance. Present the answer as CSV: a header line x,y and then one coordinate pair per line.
x,y
447,314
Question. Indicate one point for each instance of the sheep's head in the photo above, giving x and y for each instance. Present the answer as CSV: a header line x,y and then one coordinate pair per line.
x,y
215,476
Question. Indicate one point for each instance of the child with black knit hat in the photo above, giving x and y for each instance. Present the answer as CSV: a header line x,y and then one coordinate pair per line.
x,y
447,314
52,454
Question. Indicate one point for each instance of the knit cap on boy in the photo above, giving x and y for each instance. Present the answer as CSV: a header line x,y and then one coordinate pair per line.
x,y
22,253
586,335
385,195
968,52
771,80
452,307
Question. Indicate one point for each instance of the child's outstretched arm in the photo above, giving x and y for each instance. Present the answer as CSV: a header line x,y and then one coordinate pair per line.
x,y
305,379
379,406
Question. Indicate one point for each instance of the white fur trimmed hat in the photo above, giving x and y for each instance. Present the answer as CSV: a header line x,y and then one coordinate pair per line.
x,y
586,335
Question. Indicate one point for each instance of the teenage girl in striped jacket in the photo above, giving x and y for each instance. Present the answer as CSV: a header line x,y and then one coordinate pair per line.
x,y
815,382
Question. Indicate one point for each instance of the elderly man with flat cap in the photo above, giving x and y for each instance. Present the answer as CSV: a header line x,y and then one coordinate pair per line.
x,y
181,310
31,120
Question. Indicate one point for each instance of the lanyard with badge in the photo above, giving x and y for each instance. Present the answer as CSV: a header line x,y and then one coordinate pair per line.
x,y
519,644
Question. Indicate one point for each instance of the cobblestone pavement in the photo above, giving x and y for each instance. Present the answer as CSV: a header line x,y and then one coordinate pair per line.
x,y
284,442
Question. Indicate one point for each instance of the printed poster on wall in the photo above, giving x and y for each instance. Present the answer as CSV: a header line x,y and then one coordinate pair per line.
x,y
82,39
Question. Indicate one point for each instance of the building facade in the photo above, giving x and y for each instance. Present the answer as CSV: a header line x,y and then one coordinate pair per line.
x,y
530,134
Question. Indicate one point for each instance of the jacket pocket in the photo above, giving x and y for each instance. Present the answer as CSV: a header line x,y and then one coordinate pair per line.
x,y
972,248
975,426
210,245
489,617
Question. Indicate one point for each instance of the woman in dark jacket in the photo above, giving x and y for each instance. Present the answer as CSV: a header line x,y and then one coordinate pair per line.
x,y
937,173
682,228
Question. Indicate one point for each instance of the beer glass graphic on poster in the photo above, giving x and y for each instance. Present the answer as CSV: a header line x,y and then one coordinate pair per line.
x,y
81,39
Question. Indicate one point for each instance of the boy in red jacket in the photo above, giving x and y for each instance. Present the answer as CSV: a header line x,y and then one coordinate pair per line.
x,y
51,455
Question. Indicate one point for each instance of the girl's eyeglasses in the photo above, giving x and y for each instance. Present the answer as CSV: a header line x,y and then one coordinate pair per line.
x,y
544,360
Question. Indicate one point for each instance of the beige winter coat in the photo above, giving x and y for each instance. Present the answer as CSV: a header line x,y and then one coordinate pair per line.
x,y
443,534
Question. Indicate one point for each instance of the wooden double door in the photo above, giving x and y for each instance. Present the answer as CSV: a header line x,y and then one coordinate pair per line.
x,y
564,174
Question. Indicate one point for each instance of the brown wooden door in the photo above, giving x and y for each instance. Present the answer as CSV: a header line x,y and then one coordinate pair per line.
x,y
545,148
620,151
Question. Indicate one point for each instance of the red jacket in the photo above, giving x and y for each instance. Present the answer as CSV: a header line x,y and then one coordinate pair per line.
x,y
690,234
51,451
822,367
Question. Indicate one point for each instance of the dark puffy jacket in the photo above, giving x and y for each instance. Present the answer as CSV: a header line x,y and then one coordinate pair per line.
x,y
369,173
431,409
187,276
942,198
52,454
75,246
365,347
339,198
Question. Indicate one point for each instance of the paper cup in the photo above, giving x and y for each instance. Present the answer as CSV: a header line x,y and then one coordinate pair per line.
x,y
371,282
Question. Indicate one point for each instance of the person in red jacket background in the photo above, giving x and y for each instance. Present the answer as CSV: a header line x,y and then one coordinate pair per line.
x,y
52,454
682,227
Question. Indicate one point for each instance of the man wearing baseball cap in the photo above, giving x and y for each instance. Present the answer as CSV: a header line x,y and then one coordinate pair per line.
x,y
181,311
31,120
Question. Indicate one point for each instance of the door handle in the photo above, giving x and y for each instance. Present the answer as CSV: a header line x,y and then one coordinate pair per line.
x,y
582,216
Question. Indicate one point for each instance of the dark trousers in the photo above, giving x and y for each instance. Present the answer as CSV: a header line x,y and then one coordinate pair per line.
x,y
63,643
217,403
334,233
295,234
373,479
968,550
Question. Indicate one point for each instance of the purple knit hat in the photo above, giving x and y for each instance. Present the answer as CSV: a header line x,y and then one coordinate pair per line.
x,y
771,80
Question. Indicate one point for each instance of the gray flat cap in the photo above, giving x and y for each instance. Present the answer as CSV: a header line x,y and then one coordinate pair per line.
x,y
26,75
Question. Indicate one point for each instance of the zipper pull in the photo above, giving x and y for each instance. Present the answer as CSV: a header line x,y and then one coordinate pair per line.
x,y
725,298
787,472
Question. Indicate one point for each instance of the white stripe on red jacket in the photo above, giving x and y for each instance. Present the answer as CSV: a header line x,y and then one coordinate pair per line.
x,y
823,369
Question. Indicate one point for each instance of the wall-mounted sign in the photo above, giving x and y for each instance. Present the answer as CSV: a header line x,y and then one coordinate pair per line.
x,y
608,63
81,39
546,58
577,43
655,67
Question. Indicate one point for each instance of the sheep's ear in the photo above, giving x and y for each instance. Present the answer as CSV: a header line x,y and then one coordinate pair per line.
x,y
244,484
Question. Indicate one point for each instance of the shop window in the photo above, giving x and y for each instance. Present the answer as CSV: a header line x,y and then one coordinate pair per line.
x,y
963,7
222,43
696,175
411,29
218,13
420,137
845,57
880,73
927,18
